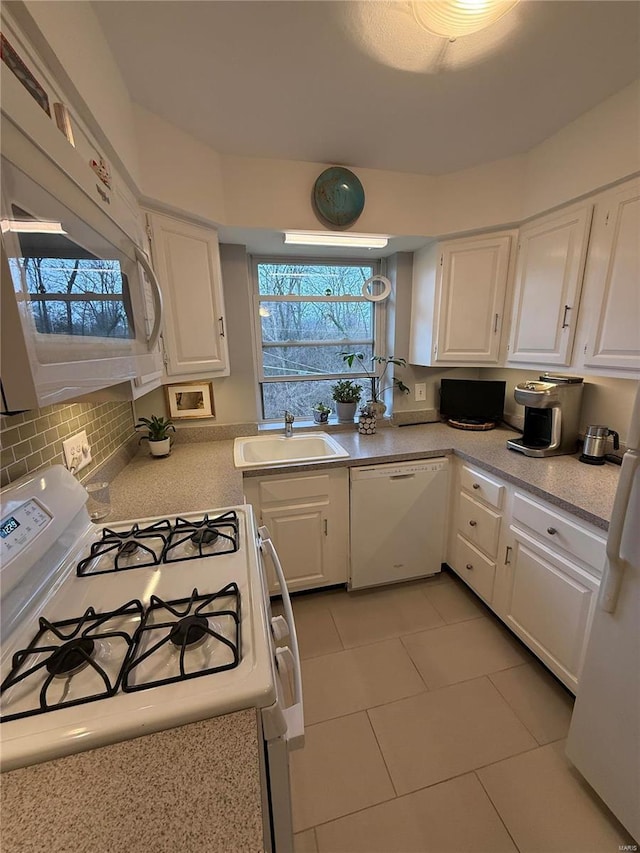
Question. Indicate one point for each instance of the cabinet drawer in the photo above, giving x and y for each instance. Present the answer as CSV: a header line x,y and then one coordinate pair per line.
x,y
473,567
294,488
482,487
479,524
557,531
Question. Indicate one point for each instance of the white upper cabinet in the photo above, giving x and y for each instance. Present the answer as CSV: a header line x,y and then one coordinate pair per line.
x,y
612,281
549,271
458,301
187,262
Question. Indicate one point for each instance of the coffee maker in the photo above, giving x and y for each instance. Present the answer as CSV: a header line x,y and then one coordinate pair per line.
x,y
551,415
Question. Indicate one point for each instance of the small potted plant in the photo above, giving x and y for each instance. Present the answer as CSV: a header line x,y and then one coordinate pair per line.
x,y
367,420
377,379
157,430
321,413
347,395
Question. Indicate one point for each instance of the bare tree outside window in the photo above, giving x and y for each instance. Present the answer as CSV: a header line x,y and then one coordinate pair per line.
x,y
309,313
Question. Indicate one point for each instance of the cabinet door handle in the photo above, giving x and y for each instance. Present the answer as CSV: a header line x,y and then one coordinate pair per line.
x,y
551,531
567,308
221,321
472,523
469,567
507,554
326,527
476,485
495,325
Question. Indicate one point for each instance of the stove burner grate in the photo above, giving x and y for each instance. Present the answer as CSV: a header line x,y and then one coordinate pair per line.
x,y
189,630
161,542
150,542
75,653
205,538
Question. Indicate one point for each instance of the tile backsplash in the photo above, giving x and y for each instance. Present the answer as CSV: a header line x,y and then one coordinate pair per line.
x,y
33,439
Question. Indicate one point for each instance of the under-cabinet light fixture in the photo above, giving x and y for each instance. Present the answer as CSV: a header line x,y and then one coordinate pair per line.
x,y
31,226
335,239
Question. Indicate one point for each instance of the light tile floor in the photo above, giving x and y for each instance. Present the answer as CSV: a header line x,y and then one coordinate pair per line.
x,y
429,728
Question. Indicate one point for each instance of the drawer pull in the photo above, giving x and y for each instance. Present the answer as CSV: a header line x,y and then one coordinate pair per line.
x,y
472,523
469,567
476,485
551,531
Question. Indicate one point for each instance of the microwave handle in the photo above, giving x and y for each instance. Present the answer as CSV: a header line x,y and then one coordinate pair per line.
x,y
156,295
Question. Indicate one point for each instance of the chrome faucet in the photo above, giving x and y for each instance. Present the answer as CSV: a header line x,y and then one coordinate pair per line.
x,y
288,423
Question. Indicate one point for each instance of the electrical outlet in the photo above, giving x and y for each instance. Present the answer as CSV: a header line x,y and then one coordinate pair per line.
x,y
77,451
420,389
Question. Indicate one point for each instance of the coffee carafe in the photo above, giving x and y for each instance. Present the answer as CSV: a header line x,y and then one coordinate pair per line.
x,y
595,444
551,415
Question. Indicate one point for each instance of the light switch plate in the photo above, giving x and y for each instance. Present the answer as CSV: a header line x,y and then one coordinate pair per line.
x,y
420,391
77,451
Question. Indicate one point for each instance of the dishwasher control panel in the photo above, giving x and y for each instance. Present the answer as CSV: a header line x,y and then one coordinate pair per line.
x,y
402,469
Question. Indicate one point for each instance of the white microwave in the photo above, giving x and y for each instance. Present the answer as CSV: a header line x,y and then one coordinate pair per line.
x,y
81,306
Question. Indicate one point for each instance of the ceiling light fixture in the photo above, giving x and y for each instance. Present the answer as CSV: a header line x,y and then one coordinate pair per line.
x,y
454,18
31,226
336,240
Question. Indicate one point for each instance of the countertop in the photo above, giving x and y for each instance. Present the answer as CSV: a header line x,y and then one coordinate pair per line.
x,y
201,475
191,789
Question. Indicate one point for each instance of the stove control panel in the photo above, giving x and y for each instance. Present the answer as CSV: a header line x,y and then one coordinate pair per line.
x,y
19,528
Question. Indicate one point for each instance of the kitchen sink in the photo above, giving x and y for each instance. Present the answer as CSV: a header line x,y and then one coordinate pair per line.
x,y
260,451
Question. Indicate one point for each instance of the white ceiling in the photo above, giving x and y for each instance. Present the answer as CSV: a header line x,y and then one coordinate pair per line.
x,y
360,84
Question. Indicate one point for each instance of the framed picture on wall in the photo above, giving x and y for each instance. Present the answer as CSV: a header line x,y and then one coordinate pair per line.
x,y
190,400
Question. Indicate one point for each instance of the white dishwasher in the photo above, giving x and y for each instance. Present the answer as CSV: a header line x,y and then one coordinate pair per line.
x,y
398,520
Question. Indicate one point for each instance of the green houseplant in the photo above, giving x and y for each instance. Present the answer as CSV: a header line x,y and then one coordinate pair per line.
x,y
379,366
157,430
347,395
321,412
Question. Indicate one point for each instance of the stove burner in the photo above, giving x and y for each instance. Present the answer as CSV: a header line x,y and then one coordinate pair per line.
x,y
71,657
204,536
62,649
189,632
128,549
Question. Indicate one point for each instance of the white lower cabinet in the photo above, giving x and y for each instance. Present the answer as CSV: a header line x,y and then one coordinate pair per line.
x,y
476,529
536,566
308,518
549,605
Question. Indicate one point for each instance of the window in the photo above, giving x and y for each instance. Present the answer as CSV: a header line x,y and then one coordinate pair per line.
x,y
308,313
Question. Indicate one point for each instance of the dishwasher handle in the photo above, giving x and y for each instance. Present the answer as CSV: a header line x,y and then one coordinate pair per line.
x,y
402,476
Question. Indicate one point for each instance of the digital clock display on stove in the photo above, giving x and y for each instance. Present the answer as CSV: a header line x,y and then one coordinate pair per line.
x,y
8,525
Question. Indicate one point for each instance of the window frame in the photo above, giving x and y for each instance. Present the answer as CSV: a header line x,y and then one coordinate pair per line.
x,y
379,320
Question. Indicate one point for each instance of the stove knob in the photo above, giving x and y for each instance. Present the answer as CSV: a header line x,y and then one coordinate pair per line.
x,y
279,628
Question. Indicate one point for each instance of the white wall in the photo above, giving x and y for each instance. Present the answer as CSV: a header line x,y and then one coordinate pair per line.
x,y
598,148
177,170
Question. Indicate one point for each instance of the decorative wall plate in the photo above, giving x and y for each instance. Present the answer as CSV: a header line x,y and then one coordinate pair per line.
x,y
338,196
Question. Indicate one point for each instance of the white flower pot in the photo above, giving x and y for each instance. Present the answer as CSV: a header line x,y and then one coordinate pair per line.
x,y
346,412
160,448
378,407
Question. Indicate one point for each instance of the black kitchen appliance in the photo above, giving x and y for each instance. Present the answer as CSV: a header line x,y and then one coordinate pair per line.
x,y
472,403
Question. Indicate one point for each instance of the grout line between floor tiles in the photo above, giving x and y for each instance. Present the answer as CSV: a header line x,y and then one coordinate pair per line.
x,y
393,784
495,808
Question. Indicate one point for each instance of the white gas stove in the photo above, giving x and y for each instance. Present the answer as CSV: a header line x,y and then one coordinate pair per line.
x,y
113,632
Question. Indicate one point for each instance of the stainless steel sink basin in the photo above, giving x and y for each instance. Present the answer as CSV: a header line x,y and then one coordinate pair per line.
x,y
260,451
